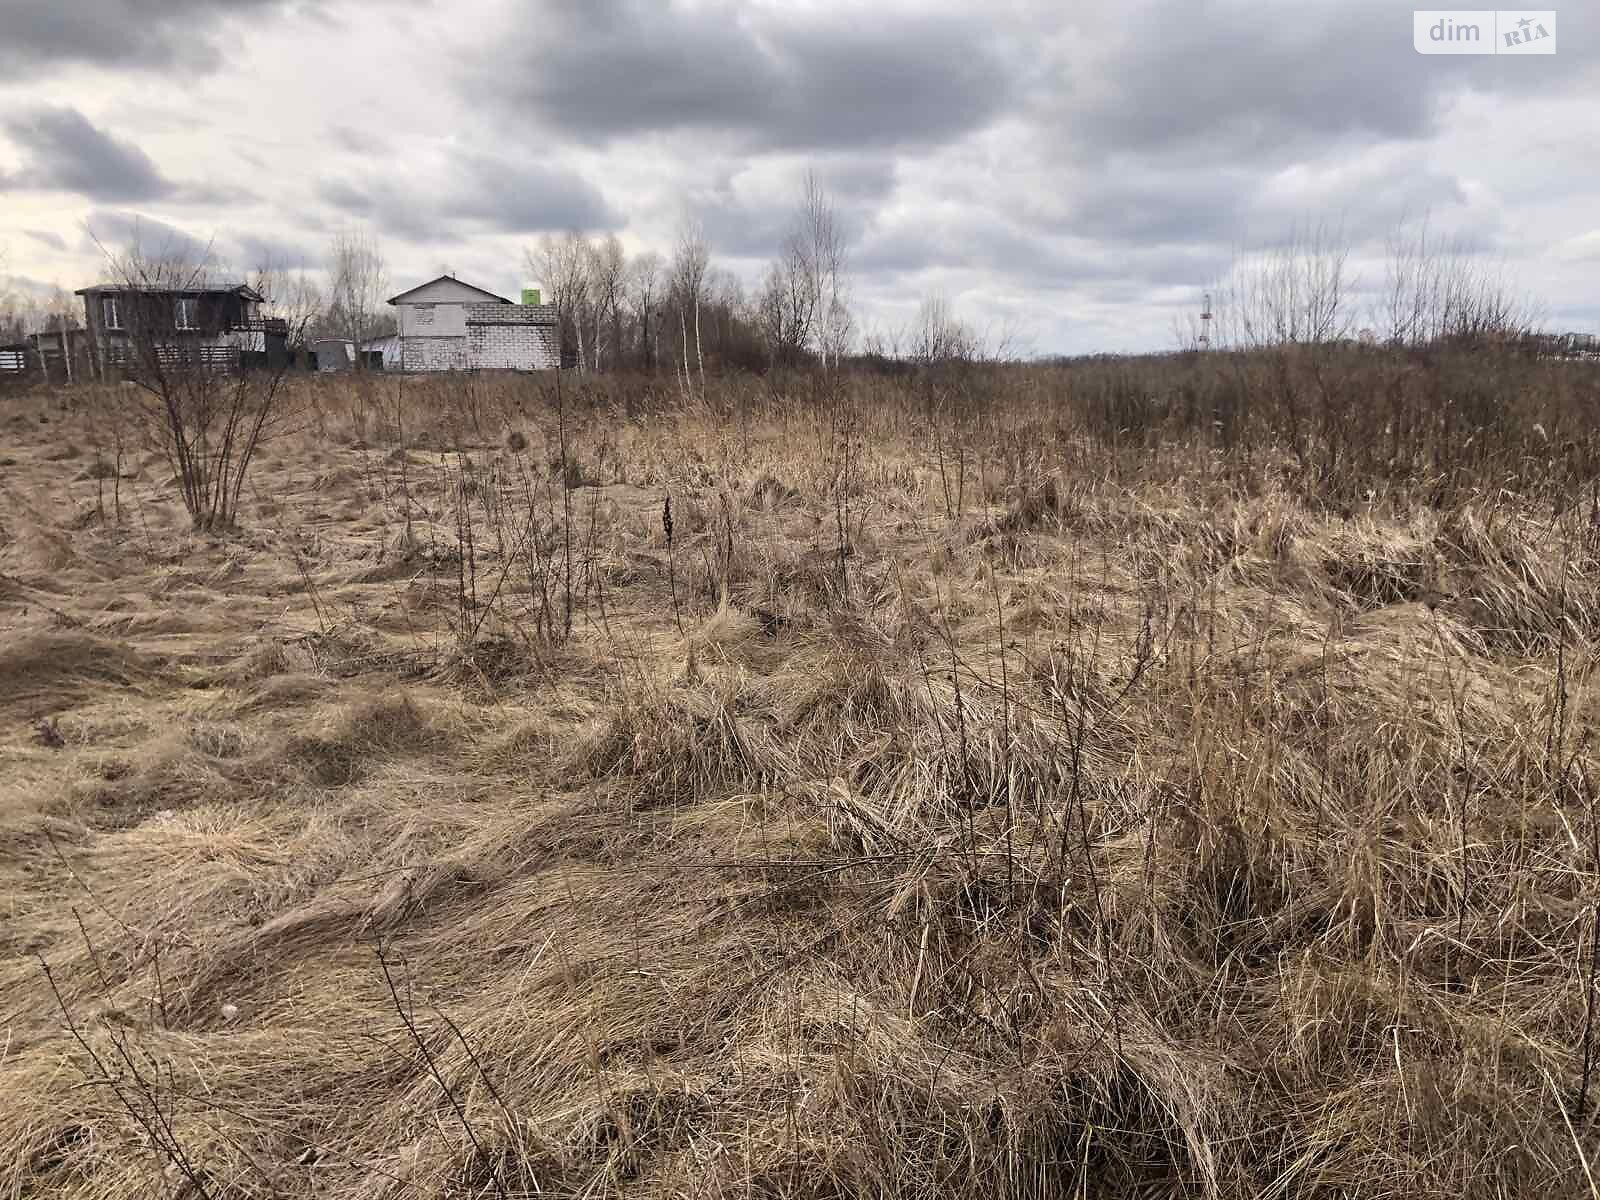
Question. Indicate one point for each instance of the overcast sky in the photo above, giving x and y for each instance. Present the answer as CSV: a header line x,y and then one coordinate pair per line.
x,y
1080,171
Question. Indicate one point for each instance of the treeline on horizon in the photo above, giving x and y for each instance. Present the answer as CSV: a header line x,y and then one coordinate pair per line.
x,y
650,311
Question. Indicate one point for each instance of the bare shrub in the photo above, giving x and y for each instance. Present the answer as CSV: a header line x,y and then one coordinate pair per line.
x,y
208,421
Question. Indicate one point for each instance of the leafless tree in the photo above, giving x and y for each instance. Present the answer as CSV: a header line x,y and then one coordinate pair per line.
x,y
24,311
786,306
561,263
608,272
13,314
291,294
358,280
724,309
58,311
643,289
11,319
691,260
803,304
1295,293
885,342
1436,290
825,259
939,336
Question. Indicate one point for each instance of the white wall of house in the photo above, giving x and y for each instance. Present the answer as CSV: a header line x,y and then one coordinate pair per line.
x,y
515,337
432,320
433,353
437,309
446,325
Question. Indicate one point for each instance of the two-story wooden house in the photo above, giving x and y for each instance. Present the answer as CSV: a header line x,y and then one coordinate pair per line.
x,y
216,328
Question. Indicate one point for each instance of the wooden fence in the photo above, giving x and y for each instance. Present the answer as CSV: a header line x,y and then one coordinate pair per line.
x,y
201,356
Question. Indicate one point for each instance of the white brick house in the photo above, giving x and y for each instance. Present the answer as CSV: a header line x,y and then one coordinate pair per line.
x,y
447,325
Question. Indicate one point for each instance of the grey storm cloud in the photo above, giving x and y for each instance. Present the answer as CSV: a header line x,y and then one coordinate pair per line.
x,y
111,233
1237,82
1164,206
982,244
233,251
515,196
500,195
777,80
349,197
262,250
741,230
64,152
743,227
1157,139
1232,79
1144,203
384,204
37,36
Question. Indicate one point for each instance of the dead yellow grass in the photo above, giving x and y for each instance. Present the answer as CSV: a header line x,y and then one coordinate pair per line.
x,y
1133,832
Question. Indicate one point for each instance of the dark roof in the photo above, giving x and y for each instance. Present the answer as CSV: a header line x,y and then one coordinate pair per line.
x,y
221,289
442,279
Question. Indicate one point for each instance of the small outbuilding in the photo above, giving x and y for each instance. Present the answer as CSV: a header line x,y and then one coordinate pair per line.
x,y
332,354
63,355
381,353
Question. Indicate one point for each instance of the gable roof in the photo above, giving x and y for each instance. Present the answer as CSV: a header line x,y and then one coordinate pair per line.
x,y
243,290
446,279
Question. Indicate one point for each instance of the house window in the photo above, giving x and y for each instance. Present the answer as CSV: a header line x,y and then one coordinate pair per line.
x,y
111,312
423,314
186,313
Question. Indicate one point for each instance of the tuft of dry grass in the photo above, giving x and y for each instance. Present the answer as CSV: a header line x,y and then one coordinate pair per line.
x,y
48,671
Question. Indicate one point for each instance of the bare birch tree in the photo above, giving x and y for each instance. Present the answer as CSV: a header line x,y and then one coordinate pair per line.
x,y
786,306
359,278
608,270
561,263
691,260
804,299
643,289
825,258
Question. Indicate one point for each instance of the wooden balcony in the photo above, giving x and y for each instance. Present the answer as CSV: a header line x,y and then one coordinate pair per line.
x,y
270,326
207,357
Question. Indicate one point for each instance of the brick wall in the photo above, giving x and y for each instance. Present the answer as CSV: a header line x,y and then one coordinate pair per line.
x,y
499,337
518,337
433,353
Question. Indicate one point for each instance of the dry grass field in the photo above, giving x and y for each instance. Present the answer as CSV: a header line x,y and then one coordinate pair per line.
x,y
1171,790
